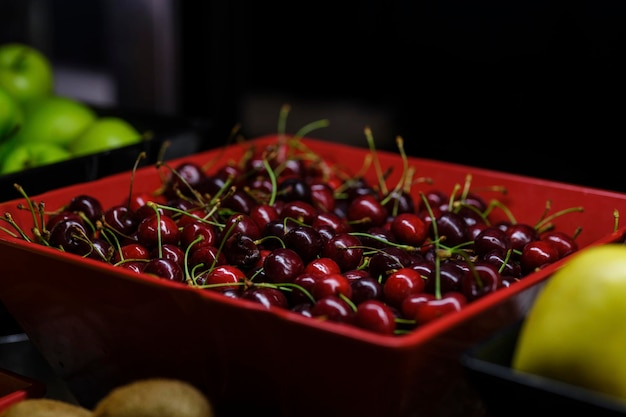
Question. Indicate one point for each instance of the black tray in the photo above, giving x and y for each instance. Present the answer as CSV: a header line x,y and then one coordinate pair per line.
x,y
506,392
185,136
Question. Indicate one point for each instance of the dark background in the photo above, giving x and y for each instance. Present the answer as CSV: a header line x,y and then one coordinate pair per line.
x,y
531,87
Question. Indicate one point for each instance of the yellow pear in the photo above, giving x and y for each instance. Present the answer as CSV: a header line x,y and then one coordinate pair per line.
x,y
575,331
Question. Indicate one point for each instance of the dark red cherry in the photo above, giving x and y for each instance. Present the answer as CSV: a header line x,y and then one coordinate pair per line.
x,y
452,229
241,251
322,266
88,205
224,278
158,230
483,279
376,316
300,211
345,249
306,241
197,233
520,234
169,251
563,242
333,308
165,269
266,296
538,254
131,251
400,284
491,239
409,229
283,265
366,211
436,308
121,220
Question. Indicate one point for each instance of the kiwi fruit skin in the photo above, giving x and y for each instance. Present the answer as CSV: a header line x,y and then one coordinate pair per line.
x,y
45,407
154,397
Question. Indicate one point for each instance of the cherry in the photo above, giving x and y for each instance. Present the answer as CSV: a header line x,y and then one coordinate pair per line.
x,y
131,251
384,262
322,196
170,251
491,238
537,254
520,234
88,205
293,189
376,316
408,306
242,223
435,308
333,308
283,265
197,233
483,280
564,243
345,249
400,284
262,214
205,257
450,276
301,211
451,228
266,296
70,235
101,250
164,268
399,202
332,284
224,278
364,287
274,232
305,241
499,260
133,266
336,223
185,178
241,251
409,229
322,266
366,211
157,230
121,220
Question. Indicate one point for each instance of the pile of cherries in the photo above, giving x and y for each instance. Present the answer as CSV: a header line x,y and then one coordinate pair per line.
x,y
283,228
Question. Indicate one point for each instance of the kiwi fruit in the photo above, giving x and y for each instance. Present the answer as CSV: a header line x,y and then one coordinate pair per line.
x,y
45,407
154,397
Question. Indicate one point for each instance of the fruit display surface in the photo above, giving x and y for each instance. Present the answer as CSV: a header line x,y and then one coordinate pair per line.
x,y
98,324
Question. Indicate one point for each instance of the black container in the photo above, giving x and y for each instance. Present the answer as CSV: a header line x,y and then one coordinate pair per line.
x,y
506,392
183,136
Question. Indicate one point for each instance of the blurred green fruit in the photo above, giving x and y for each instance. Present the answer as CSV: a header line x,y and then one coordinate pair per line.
x,y
55,120
104,134
11,115
23,156
25,72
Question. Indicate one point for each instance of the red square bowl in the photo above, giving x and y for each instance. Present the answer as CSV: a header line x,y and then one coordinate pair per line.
x,y
100,326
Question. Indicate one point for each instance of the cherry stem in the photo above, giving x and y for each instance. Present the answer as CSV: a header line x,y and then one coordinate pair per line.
x,y
379,172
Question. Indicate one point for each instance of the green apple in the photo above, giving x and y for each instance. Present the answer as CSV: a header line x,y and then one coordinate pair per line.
x,y
104,134
25,72
574,331
11,115
23,156
56,120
